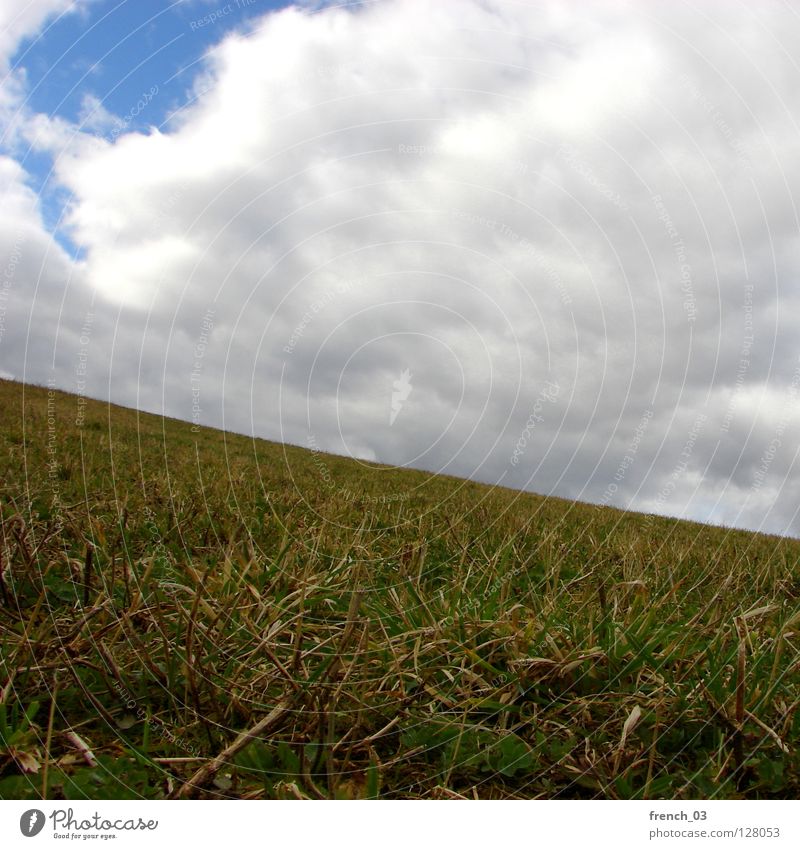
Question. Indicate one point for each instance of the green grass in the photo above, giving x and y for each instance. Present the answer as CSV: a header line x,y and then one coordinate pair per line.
x,y
382,633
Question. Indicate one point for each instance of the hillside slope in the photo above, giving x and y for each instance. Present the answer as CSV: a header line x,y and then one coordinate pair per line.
x,y
387,632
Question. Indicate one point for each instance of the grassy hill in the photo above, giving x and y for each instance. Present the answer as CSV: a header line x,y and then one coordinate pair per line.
x,y
378,632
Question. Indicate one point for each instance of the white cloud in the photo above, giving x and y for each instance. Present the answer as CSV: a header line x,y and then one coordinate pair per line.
x,y
29,20
23,20
506,196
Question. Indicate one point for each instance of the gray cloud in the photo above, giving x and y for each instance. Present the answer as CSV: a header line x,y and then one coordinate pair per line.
x,y
601,198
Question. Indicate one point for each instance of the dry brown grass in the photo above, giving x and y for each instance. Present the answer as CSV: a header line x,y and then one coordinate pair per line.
x,y
196,614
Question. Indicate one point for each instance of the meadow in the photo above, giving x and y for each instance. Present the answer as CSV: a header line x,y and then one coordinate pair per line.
x,y
191,613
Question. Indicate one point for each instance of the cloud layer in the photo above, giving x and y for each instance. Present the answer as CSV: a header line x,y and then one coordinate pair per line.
x,y
573,229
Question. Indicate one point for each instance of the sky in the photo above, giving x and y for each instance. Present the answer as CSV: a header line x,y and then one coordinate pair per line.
x,y
547,245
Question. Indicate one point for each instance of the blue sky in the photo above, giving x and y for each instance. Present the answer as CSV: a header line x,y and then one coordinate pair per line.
x,y
127,54
119,50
